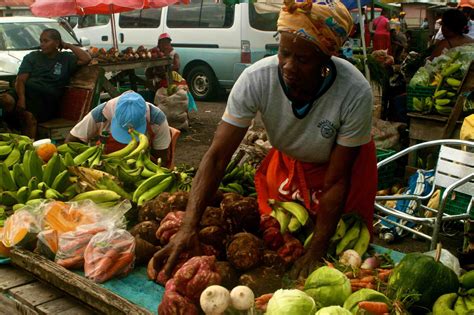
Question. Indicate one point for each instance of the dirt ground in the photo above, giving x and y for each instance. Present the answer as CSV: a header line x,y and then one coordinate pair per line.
x,y
192,145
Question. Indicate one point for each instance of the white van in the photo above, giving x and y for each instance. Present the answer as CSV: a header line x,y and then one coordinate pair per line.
x,y
215,41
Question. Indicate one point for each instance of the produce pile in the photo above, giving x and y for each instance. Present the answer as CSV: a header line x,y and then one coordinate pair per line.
x,y
103,56
446,74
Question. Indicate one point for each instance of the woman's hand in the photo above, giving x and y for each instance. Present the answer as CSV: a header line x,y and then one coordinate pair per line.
x,y
307,263
64,45
184,239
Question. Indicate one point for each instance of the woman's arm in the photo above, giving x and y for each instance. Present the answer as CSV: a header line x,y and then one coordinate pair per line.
x,y
20,90
331,204
83,57
176,63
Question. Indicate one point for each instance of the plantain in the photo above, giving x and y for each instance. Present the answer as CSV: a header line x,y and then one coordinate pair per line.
x,y
351,235
68,160
35,166
65,148
5,150
294,208
282,216
132,145
148,184
107,182
97,196
35,194
61,182
8,198
6,180
363,241
78,147
22,194
127,176
13,157
52,169
19,175
51,193
340,231
82,157
294,225
155,191
143,144
453,82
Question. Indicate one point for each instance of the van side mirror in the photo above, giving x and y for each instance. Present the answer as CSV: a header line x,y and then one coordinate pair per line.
x,y
85,41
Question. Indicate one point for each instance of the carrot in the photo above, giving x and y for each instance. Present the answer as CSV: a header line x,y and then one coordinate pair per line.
x,y
119,266
368,279
366,272
376,308
104,264
383,275
71,262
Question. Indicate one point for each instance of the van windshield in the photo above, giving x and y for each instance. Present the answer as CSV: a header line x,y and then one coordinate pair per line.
x,y
25,36
262,21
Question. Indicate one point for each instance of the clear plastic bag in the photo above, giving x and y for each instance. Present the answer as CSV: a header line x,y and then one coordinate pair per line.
x,y
71,245
20,229
109,254
447,259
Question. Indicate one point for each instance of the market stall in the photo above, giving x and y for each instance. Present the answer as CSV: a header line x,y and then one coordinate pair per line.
x,y
88,224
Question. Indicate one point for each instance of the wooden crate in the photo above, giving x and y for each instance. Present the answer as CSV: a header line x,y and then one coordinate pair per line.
x,y
56,129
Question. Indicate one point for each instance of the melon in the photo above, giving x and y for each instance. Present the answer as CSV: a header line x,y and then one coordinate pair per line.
x,y
421,274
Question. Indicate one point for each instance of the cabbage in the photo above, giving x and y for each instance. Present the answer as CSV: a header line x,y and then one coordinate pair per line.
x,y
333,310
294,302
328,286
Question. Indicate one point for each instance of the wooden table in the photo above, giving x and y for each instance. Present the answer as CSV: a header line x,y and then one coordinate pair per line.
x,y
426,128
128,67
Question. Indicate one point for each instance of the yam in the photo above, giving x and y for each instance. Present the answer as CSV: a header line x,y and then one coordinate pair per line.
x,y
245,251
273,260
178,201
146,230
229,275
213,235
262,280
244,214
213,217
228,199
144,250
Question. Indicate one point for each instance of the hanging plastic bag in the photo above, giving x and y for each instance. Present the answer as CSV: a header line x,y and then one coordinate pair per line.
x,y
447,259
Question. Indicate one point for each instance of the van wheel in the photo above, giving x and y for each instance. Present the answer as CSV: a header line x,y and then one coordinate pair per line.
x,y
202,83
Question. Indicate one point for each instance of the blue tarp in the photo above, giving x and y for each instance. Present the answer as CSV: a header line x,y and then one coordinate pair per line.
x,y
352,4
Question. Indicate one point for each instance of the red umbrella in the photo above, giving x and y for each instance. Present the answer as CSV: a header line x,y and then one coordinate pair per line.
x,y
50,8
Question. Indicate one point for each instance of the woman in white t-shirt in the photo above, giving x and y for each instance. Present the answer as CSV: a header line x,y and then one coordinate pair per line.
x,y
317,113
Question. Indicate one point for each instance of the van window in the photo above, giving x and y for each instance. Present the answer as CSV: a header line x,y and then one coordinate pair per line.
x,y
149,18
262,21
201,14
93,20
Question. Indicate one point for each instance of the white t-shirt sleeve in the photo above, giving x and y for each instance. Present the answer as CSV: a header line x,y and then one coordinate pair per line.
x,y
243,101
160,128
357,121
439,35
89,126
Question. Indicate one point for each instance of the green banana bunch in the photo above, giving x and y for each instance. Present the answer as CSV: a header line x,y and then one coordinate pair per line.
x,y
52,169
151,184
340,231
444,305
19,175
61,182
6,179
294,208
363,240
5,150
33,165
282,217
108,183
98,196
8,198
129,176
22,194
143,145
467,280
453,82
85,155
13,157
163,186
444,110
350,237
51,193
418,105
122,153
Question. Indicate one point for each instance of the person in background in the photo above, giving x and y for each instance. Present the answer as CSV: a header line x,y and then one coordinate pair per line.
x,y
395,23
381,27
40,83
399,44
470,24
403,22
454,29
164,44
317,111
424,24
113,119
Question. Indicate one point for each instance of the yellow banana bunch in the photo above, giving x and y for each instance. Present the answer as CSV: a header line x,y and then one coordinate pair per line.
x,y
143,145
351,233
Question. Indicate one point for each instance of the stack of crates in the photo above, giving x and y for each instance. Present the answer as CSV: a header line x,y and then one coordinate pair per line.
x,y
386,174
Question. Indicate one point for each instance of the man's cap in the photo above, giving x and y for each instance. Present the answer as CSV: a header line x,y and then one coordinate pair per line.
x,y
164,36
130,112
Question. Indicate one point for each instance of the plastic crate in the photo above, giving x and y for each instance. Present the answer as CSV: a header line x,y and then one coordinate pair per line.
x,y
458,204
386,173
146,94
420,92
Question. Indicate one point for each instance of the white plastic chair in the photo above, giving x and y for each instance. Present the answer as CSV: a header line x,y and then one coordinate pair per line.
x,y
454,172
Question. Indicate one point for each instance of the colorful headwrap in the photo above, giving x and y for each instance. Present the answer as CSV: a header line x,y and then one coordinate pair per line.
x,y
326,23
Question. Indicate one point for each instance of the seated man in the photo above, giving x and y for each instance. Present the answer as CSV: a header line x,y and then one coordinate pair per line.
x,y
113,119
41,80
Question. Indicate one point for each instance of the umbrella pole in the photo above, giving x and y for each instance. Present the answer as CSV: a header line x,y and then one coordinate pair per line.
x,y
362,35
114,32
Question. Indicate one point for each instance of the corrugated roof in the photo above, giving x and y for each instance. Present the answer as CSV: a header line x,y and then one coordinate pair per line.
x,y
16,3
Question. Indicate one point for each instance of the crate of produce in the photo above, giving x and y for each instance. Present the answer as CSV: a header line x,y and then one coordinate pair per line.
x,y
386,173
419,92
457,203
